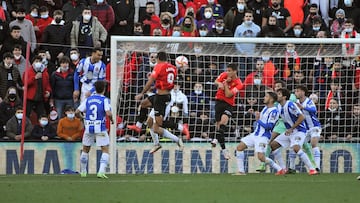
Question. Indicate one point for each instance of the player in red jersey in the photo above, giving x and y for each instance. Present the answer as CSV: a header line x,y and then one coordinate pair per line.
x,y
229,85
164,75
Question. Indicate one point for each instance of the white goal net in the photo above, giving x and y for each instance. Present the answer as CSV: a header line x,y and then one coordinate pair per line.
x,y
329,68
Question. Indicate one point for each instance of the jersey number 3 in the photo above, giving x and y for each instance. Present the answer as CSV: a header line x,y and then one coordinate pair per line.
x,y
93,115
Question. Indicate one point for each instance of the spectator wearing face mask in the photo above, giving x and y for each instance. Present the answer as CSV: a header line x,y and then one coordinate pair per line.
x,y
43,22
170,6
74,57
9,75
219,30
26,27
217,8
338,24
188,27
13,126
70,127
7,108
199,101
150,20
39,88
207,18
166,24
43,131
141,9
57,33
235,15
51,5
62,84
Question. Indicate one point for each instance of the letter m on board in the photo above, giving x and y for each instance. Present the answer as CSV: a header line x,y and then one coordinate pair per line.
x,y
12,162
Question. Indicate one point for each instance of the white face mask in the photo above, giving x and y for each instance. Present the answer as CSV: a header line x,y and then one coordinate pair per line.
x,y
240,7
34,15
207,15
45,16
152,64
64,69
332,109
219,27
348,3
257,81
198,92
203,33
43,122
291,51
71,115
87,17
265,58
197,50
211,1
19,116
74,57
37,66
100,1
176,34
17,57
152,49
297,32
348,30
248,22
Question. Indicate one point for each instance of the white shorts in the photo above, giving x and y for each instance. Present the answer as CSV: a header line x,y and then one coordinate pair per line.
x,y
314,132
102,139
258,142
295,138
84,89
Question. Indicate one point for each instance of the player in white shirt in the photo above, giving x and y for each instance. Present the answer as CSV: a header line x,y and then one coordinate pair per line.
x,y
259,139
97,108
311,120
88,71
295,133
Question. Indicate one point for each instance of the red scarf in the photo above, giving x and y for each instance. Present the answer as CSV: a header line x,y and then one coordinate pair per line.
x,y
328,98
287,71
350,47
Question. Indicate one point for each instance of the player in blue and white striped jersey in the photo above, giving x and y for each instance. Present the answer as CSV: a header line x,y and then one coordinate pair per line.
x,y
259,139
311,120
88,71
97,108
295,133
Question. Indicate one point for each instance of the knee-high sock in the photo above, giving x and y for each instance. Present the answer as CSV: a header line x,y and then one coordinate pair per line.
x,y
240,161
142,115
170,135
305,159
309,152
84,157
154,136
292,157
104,160
220,136
278,158
272,164
316,152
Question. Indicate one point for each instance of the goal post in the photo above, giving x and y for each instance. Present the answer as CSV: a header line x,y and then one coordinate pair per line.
x,y
129,53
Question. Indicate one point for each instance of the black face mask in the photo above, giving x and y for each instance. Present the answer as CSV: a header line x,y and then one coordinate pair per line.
x,y
166,21
313,13
12,97
20,18
190,13
341,20
57,20
187,25
275,5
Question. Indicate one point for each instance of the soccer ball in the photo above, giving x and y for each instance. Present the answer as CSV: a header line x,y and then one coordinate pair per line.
x,y
181,61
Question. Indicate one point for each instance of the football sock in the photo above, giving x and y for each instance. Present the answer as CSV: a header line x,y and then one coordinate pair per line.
x,y
154,136
272,164
220,136
278,158
84,157
143,115
170,135
309,152
268,151
305,159
292,157
104,160
316,152
240,161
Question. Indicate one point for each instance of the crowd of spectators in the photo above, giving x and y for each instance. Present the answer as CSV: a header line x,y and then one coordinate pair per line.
x,y
61,32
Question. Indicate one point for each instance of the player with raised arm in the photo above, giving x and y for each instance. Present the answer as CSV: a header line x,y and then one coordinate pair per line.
x,y
97,108
295,133
164,75
229,85
259,139
312,123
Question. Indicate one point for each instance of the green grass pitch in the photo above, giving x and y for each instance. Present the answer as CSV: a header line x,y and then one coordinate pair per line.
x,y
197,188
